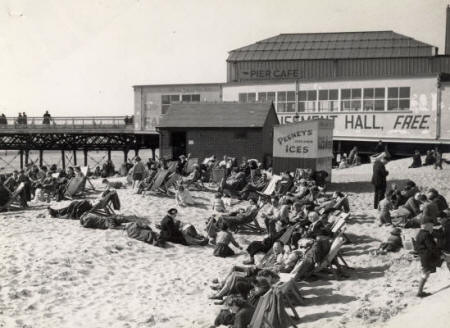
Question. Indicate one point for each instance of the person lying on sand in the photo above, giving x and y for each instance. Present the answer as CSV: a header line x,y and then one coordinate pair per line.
x,y
78,207
112,184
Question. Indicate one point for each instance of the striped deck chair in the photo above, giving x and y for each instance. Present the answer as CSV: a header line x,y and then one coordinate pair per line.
x,y
268,191
14,201
217,175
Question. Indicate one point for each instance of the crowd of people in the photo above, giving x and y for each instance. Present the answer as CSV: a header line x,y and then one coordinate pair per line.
x,y
432,157
299,218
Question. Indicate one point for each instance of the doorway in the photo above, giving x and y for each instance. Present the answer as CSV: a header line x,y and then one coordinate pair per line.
x,y
178,143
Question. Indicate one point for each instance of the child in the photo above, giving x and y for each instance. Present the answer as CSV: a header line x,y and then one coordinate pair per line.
x,y
39,195
217,203
183,197
394,242
384,208
430,256
223,239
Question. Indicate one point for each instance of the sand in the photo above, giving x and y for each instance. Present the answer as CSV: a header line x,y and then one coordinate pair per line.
x,y
54,273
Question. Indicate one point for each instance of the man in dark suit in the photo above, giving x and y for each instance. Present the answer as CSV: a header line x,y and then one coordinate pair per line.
x,y
379,180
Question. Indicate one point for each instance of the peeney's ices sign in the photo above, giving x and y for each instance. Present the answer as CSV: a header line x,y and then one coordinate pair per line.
x,y
374,125
307,139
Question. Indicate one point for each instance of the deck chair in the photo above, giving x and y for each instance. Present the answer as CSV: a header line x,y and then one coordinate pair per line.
x,y
333,256
251,226
14,201
74,186
159,179
339,226
85,171
217,175
270,310
172,181
172,166
106,205
268,191
190,164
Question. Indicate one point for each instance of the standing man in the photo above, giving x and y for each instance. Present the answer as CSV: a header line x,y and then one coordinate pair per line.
x,y
379,180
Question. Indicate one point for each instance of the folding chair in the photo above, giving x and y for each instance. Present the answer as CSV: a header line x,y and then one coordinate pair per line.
x,y
333,256
85,171
268,191
172,166
74,186
158,180
105,206
217,175
14,201
339,226
190,164
251,226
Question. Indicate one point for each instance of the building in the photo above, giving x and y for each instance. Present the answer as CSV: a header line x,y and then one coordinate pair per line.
x,y
152,101
375,85
206,129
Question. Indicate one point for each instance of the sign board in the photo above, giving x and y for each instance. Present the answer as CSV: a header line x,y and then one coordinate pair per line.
x,y
373,125
304,139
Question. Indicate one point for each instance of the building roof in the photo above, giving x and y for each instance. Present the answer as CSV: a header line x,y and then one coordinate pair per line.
x,y
375,44
216,115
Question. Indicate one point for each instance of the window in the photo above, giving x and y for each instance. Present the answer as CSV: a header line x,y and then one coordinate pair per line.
x,y
286,101
350,99
307,101
240,135
190,98
399,98
266,96
328,100
373,99
247,97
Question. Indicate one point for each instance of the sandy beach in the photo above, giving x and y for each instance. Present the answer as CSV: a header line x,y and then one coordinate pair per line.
x,y
55,273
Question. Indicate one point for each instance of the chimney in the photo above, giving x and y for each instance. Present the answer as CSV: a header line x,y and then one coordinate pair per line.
x,y
447,32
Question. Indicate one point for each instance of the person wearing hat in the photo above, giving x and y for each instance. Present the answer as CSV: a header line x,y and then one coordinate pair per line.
x,y
379,180
438,199
429,253
394,242
170,228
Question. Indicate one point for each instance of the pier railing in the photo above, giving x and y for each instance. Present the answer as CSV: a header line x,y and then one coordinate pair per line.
x,y
67,124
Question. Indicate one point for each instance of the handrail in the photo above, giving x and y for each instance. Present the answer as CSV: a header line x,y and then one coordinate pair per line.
x,y
77,122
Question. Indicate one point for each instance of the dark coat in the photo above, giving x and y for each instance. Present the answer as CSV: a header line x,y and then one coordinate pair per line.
x,y
443,236
379,174
171,232
428,251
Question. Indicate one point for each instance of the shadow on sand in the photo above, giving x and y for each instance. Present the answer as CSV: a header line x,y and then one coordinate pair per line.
x,y
317,316
359,187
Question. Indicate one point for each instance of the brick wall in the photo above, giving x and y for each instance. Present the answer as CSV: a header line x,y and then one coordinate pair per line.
x,y
220,142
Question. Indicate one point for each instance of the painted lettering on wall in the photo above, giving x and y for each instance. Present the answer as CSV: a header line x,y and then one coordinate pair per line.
x,y
290,136
413,122
366,122
275,73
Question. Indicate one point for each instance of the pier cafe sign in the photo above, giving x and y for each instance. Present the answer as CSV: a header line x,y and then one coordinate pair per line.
x,y
374,125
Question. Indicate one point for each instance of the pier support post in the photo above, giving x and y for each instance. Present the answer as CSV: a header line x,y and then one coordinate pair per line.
x,y
63,160
41,158
136,152
27,154
75,157
21,159
109,154
85,151
125,155
153,154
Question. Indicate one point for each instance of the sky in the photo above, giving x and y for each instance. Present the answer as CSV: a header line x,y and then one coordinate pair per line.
x,y
82,57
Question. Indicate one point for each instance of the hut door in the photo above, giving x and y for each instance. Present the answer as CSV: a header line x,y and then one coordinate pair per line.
x,y
178,144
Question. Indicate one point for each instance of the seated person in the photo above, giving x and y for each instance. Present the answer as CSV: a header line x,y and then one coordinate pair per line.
x,y
259,185
285,184
408,210
416,160
183,197
394,242
313,257
399,197
384,209
234,183
4,192
242,216
218,205
223,240
170,228
439,200
429,212
338,202
443,237
429,158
